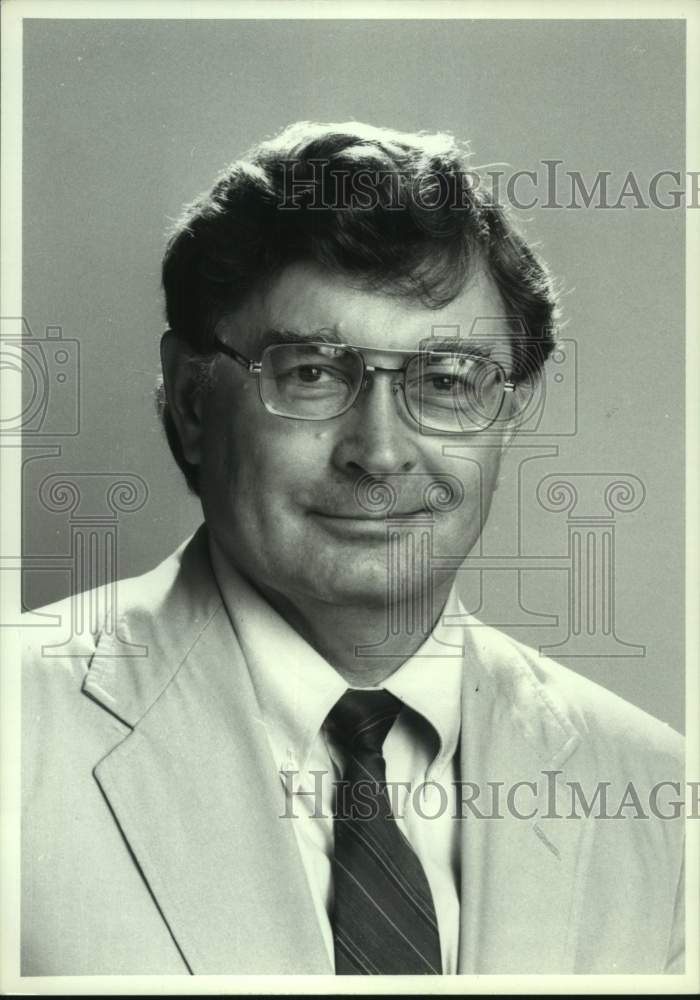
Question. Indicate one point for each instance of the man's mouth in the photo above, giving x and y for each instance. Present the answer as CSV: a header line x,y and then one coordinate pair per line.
x,y
367,527
365,515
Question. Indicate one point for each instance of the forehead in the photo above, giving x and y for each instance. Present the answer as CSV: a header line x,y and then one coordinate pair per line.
x,y
307,301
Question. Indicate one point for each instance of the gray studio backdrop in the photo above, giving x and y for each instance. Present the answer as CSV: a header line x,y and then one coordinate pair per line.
x,y
126,120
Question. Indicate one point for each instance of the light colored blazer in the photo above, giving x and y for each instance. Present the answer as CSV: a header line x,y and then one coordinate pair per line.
x,y
152,841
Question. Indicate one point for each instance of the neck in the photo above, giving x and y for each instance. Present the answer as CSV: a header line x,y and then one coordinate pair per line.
x,y
357,640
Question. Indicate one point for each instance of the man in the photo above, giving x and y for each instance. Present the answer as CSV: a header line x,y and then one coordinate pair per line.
x,y
298,776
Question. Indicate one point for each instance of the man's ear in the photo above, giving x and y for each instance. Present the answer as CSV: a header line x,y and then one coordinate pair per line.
x,y
182,393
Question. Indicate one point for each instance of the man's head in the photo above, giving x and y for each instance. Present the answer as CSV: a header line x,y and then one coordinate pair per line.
x,y
365,237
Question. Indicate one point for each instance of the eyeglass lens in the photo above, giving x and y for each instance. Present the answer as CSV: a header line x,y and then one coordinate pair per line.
x,y
443,390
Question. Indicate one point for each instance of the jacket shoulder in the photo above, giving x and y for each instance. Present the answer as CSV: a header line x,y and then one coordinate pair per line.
x,y
73,626
609,723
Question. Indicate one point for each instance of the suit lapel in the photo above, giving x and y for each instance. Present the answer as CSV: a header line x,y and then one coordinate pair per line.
x,y
521,878
195,791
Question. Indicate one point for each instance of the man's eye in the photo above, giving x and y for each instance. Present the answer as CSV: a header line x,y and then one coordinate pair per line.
x,y
319,376
311,373
476,379
445,383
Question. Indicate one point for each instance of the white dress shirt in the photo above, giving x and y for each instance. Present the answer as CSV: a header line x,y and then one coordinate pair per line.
x,y
296,689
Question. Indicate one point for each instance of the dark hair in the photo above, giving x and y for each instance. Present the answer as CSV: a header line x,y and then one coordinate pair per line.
x,y
398,212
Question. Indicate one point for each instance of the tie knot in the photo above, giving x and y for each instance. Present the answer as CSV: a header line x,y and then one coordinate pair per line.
x,y
362,719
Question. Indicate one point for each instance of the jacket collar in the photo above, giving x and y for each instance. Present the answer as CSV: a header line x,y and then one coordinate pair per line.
x,y
200,804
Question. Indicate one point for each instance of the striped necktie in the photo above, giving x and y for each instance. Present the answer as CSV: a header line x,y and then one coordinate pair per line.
x,y
383,915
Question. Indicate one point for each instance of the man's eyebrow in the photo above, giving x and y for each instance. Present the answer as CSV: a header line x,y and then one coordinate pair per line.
x,y
329,335
480,350
325,334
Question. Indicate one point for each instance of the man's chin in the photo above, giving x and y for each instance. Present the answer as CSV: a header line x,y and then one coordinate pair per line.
x,y
362,583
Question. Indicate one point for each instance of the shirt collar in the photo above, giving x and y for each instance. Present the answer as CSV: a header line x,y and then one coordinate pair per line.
x,y
296,687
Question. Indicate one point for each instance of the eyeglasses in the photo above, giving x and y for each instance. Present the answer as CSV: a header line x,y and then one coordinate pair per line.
x,y
449,391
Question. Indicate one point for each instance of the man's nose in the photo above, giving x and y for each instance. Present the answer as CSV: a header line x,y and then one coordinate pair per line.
x,y
375,436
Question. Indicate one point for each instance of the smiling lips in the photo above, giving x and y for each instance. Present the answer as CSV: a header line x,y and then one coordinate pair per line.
x,y
369,515
366,527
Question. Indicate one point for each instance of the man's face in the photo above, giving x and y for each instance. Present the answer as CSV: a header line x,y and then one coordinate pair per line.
x,y
279,494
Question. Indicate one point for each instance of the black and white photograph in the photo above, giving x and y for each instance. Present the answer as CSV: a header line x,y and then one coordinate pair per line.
x,y
349,551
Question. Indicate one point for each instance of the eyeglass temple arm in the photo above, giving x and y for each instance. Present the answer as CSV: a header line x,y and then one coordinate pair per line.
x,y
253,367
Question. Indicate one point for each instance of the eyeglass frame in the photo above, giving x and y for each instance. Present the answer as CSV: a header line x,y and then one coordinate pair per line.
x,y
255,368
